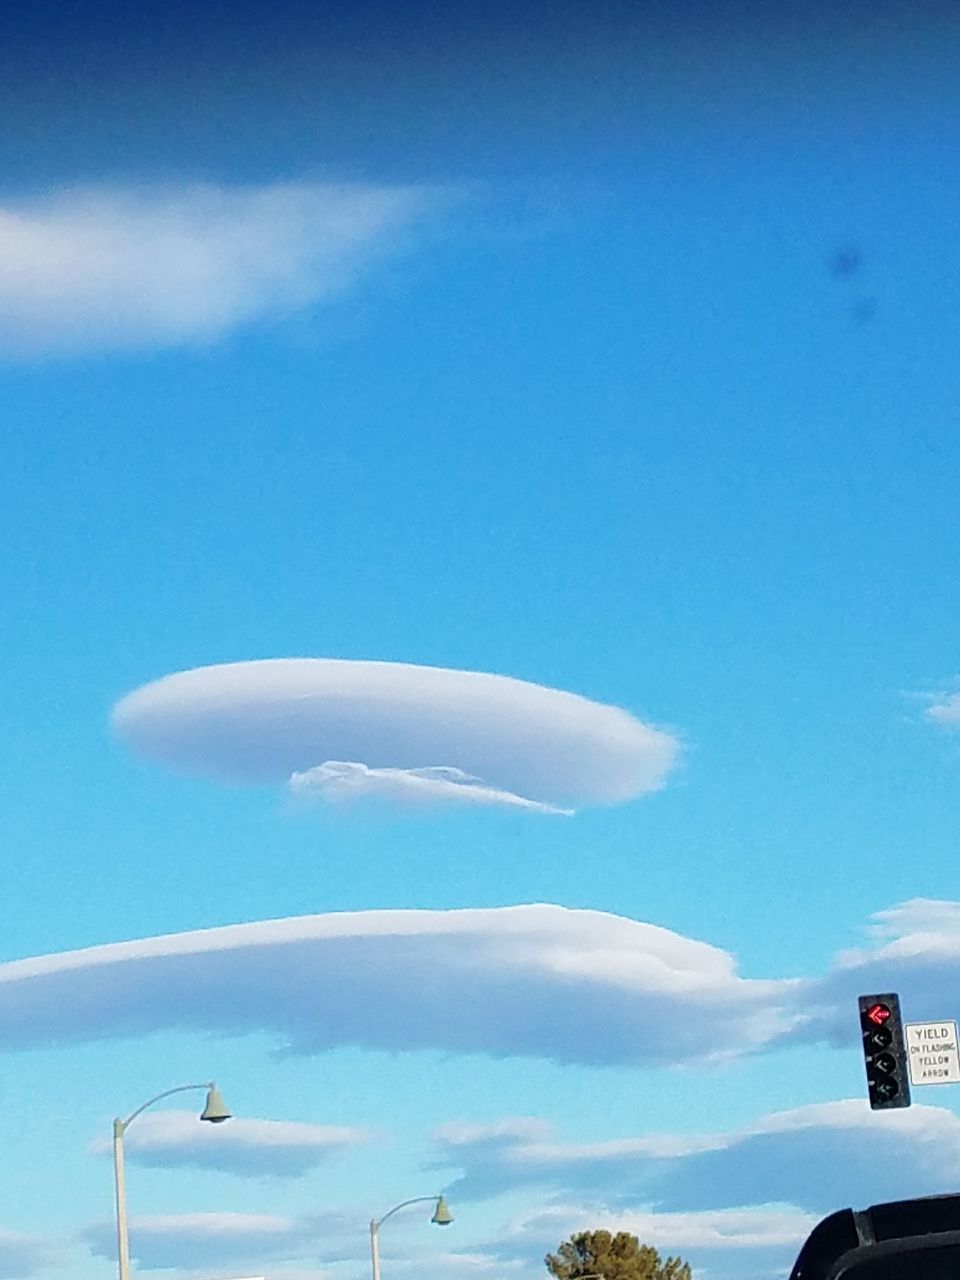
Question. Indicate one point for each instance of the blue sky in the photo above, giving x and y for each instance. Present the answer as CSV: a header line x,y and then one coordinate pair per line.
x,y
509,343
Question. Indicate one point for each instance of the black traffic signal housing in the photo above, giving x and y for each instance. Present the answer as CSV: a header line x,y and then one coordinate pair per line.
x,y
884,1051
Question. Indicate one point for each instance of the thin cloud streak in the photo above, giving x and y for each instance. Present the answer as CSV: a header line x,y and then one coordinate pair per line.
x,y
120,268
247,1148
342,781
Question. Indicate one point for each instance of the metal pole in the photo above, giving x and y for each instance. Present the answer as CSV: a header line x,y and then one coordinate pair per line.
x,y
119,1128
123,1244
374,1248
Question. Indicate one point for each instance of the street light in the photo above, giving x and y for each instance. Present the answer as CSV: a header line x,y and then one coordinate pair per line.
x,y
442,1217
215,1110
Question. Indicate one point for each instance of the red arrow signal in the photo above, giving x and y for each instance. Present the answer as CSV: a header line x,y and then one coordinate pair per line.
x,y
878,1014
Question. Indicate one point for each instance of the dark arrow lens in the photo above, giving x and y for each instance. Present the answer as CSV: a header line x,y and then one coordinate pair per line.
x,y
885,1088
886,1063
879,1039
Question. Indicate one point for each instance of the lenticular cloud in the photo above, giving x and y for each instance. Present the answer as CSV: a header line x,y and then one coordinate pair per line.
x,y
342,729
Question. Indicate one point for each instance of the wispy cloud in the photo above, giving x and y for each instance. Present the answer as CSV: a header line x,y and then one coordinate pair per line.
x,y
396,730
119,268
246,1147
341,781
944,709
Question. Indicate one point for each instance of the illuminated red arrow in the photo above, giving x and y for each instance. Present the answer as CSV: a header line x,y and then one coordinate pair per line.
x,y
878,1014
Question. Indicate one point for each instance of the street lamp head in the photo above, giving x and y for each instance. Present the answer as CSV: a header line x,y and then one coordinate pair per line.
x,y
215,1109
442,1215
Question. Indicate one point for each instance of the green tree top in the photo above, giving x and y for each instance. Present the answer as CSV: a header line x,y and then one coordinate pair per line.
x,y
619,1257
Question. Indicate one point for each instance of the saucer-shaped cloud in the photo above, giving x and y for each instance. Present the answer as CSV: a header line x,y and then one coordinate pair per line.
x,y
336,727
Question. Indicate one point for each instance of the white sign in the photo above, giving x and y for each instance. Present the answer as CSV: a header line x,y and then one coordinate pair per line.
x,y
932,1052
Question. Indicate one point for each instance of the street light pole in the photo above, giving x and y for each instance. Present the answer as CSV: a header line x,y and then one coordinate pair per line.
x,y
375,1247
120,1187
215,1111
442,1217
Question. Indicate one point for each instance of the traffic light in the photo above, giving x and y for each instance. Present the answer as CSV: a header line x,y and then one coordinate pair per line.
x,y
888,1082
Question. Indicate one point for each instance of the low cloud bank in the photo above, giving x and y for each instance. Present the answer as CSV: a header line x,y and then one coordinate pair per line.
x,y
814,1158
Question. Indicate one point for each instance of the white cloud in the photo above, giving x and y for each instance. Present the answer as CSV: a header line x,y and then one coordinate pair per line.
x,y
341,780
404,730
106,268
245,1147
544,981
